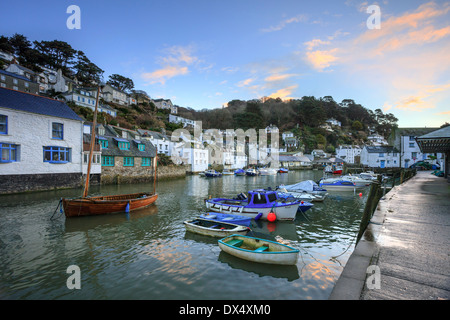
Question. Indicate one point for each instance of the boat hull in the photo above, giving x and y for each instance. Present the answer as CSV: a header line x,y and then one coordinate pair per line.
x,y
283,212
92,206
214,229
250,250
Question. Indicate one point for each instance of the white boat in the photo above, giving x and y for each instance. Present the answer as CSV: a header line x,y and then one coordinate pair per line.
x,y
259,250
214,228
251,172
227,172
308,186
268,171
359,182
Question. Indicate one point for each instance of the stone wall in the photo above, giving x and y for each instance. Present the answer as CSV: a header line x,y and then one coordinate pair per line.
x,y
16,183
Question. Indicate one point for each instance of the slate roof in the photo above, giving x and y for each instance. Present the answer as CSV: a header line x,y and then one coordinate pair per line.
x,y
18,76
27,102
381,149
113,148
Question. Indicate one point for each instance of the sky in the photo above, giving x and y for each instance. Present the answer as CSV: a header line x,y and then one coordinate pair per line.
x,y
390,54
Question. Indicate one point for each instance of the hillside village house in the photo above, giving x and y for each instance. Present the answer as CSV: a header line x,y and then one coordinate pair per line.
x,y
165,104
40,143
349,153
380,157
184,121
111,94
160,140
17,82
86,97
404,139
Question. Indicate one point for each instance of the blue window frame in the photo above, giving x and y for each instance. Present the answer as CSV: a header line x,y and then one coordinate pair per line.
x,y
8,152
108,161
57,131
146,162
141,147
104,144
128,161
57,154
3,124
124,145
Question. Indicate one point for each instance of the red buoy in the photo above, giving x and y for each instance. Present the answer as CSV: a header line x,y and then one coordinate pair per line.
x,y
271,216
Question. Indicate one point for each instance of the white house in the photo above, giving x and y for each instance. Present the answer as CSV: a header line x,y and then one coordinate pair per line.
x,y
333,122
111,94
165,104
377,140
41,143
184,121
86,97
160,140
380,157
348,153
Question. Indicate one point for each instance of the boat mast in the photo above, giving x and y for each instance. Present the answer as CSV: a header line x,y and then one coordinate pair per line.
x,y
91,152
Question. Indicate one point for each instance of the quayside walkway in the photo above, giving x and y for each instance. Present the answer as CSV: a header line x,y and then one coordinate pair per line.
x,y
407,245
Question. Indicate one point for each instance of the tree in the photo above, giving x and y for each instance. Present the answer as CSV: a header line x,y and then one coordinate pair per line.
x,y
86,71
58,54
120,82
356,125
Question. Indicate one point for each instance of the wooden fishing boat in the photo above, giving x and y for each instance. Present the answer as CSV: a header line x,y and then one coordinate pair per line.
x,y
90,206
226,217
259,250
214,228
99,205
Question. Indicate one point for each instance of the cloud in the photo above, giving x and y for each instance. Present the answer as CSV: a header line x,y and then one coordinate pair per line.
x,y
284,93
245,82
321,59
175,62
279,77
314,43
162,75
285,22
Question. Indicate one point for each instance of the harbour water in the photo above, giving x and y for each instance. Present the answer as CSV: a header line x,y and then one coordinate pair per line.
x,y
148,254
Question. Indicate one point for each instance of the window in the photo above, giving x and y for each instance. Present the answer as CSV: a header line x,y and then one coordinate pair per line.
x,y
108,161
411,145
124,145
57,154
146,162
141,147
104,143
15,81
8,152
411,138
3,78
3,124
381,154
128,161
57,131
414,155
259,198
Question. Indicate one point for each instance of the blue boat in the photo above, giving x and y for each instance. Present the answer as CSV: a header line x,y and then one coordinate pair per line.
x,y
226,217
239,172
258,204
251,172
212,173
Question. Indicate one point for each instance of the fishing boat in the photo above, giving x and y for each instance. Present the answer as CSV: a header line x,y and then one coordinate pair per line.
x,y
226,217
359,182
283,170
251,172
212,174
258,205
259,250
267,171
338,184
338,170
214,228
100,205
239,172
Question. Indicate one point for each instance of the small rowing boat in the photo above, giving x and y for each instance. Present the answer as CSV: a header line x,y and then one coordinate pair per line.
x,y
226,217
214,228
259,250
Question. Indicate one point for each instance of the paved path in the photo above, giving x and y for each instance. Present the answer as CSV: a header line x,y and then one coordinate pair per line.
x,y
409,240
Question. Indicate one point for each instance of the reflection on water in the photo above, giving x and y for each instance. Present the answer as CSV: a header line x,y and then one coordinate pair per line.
x,y
148,254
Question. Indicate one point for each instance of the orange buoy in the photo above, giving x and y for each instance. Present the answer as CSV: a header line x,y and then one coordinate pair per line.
x,y
271,216
360,194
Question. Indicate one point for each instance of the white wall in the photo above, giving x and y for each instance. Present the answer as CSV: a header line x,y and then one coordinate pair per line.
x,y
32,132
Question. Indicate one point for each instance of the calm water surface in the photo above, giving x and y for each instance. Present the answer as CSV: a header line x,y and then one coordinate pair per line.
x,y
148,254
